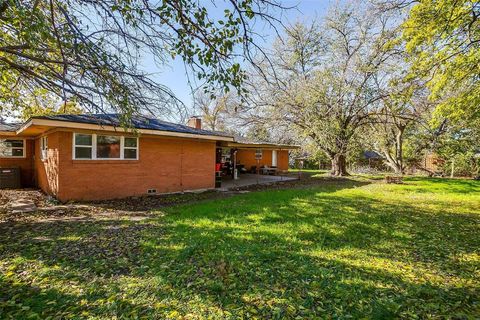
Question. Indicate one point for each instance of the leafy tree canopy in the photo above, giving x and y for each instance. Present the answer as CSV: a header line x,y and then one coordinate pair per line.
x,y
443,40
329,78
92,50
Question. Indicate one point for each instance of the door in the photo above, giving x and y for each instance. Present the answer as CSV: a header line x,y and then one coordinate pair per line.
x,y
274,158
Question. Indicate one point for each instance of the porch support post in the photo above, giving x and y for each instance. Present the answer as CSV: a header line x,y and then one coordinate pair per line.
x,y
235,165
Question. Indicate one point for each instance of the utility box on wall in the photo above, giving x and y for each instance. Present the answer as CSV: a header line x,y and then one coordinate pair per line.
x,y
10,178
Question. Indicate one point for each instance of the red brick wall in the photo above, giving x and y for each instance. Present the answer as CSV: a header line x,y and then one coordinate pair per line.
x,y
25,164
283,163
247,158
47,170
165,164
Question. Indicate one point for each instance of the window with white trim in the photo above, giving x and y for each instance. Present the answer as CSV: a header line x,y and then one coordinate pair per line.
x,y
44,147
104,147
12,148
108,147
130,148
83,146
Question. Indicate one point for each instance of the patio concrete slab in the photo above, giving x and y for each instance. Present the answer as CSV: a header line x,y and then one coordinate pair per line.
x,y
248,179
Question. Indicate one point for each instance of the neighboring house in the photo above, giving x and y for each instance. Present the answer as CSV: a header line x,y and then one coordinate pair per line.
x,y
91,157
373,158
370,160
432,162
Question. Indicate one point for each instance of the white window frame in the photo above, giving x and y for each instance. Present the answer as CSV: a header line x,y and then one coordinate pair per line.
x,y
120,157
122,148
44,147
274,158
93,147
23,149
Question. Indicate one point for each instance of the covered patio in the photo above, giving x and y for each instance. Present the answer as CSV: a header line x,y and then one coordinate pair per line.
x,y
240,164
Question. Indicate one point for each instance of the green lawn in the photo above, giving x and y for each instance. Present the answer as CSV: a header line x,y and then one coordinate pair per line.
x,y
346,249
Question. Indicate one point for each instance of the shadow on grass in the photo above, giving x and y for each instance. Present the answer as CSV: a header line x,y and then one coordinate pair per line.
x,y
460,186
152,202
27,301
279,254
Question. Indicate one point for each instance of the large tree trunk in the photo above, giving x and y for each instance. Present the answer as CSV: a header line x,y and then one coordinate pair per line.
x,y
339,165
393,163
395,159
399,150
452,172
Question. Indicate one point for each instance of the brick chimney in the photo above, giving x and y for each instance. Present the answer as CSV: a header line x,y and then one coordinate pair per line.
x,y
195,122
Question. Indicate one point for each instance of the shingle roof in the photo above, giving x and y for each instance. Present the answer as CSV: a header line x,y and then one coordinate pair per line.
x,y
138,122
10,127
372,155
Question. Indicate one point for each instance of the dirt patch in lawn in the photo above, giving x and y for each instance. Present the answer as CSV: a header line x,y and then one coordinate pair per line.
x,y
38,197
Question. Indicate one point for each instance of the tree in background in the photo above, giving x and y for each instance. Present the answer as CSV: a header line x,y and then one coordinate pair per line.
x,y
460,147
92,50
327,79
443,42
215,111
50,108
404,112
227,112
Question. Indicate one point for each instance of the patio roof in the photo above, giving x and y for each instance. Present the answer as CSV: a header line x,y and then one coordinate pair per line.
x,y
244,143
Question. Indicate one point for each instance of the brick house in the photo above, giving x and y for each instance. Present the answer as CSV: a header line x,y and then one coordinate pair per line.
x,y
91,157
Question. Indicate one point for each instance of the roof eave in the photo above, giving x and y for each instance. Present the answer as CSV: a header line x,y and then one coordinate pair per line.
x,y
262,146
7,133
86,126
